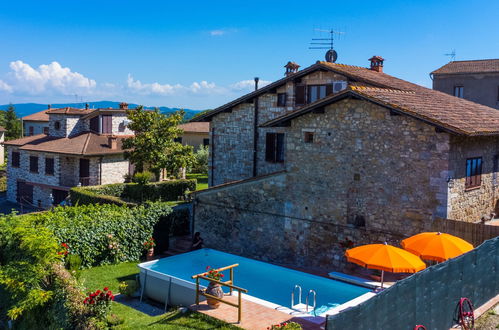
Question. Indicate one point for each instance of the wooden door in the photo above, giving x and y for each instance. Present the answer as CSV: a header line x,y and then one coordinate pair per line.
x,y
24,192
84,171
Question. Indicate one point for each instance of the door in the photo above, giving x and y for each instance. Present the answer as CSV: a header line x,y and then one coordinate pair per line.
x,y
24,193
59,196
84,172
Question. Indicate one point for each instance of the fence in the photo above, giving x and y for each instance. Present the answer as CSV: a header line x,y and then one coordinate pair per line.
x,y
475,233
429,297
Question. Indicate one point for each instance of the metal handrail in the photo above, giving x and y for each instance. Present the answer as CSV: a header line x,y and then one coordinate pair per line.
x,y
293,295
315,299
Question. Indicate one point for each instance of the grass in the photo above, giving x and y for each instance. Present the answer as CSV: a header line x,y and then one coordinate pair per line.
x,y
112,275
202,180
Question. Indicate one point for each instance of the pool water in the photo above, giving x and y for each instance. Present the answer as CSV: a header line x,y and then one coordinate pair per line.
x,y
262,280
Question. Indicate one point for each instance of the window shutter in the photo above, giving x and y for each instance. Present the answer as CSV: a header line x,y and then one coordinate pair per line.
x,y
329,89
300,95
270,147
280,148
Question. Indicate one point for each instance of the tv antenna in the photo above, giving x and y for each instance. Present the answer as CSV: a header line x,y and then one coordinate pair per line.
x,y
452,55
326,43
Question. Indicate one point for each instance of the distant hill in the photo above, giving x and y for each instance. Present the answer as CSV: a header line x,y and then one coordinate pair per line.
x,y
24,109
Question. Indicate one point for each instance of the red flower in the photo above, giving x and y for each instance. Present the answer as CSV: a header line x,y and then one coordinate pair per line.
x,y
112,297
221,275
106,288
97,292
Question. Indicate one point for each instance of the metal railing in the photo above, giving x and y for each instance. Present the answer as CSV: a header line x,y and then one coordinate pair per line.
x,y
229,284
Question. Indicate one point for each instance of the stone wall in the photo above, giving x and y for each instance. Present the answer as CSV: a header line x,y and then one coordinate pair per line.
x,y
472,204
119,127
113,169
38,127
70,125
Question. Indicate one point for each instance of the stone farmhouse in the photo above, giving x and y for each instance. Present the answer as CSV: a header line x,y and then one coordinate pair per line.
x,y
36,123
476,80
82,147
195,134
334,155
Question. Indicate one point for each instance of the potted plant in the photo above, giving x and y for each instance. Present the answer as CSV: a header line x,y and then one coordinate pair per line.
x,y
214,289
149,246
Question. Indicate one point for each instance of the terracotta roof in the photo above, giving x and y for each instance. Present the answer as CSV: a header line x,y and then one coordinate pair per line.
x,y
440,109
473,66
195,127
70,111
86,144
37,116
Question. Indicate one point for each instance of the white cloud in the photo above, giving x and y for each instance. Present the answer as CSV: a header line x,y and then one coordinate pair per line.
x,y
221,32
5,87
168,89
248,85
47,78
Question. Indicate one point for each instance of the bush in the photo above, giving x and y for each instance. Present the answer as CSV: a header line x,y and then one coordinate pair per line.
x,y
142,178
73,265
3,184
201,160
130,194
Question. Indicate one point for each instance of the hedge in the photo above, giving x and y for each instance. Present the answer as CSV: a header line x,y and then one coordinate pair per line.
x,y
31,287
131,194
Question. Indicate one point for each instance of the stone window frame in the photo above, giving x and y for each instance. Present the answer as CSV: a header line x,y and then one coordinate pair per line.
x,y
49,170
16,159
274,147
473,174
32,167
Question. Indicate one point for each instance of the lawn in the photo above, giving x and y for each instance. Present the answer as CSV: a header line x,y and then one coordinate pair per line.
x,y
112,275
201,178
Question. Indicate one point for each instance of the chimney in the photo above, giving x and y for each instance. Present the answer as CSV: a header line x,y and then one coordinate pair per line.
x,y
87,106
123,106
377,63
112,142
291,68
256,82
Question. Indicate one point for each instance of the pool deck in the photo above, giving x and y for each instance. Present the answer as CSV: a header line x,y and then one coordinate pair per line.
x,y
254,316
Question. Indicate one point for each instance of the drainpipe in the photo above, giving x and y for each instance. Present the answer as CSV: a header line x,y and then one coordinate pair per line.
x,y
255,132
100,170
212,156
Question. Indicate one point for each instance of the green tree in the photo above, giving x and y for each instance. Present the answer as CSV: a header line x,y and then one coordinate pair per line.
x,y
12,123
200,113
201,163
153,146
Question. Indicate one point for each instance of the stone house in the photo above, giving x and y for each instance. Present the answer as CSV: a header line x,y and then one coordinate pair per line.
x,y
476,80
195,134
335,154
82,147
36,123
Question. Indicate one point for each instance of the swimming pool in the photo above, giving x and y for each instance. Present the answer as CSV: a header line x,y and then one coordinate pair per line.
x,y
265,281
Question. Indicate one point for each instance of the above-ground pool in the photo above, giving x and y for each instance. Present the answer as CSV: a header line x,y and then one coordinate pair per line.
x,y
265,281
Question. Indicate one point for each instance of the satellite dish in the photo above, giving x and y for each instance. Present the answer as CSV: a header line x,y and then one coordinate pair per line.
x,y
331,56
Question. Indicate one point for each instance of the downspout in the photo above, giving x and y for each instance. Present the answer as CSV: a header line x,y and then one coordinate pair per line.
x,y
255,131
212,156
100,170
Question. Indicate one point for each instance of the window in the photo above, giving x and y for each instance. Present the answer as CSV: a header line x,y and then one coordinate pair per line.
x,y
107,124
281,99
274,147
459,91
49,166
33,164
206,142
178,139
473,172
16,159
57,125
316,92
299,95
308,137
46,130
31,131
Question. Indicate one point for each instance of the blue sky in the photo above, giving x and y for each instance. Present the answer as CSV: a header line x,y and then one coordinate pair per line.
x,y
202,54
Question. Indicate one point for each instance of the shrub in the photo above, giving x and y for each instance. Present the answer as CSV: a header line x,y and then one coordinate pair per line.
x,y
286,326
142,178
73,265
3,184
201,160
84,196
99,302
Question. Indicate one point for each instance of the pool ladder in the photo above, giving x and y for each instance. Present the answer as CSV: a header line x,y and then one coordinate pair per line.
x,y
299,305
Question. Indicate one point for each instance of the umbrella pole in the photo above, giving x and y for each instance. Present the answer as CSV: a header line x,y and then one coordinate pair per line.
x,y
382,275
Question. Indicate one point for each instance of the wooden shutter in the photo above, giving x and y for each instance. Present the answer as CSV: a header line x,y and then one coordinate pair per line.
x,y
329,89
280,148
300,95
84,168
270,144
107,124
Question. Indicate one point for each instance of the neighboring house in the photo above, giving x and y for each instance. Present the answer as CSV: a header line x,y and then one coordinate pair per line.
x,y
195,134
334,155
36,123
477,80
82,147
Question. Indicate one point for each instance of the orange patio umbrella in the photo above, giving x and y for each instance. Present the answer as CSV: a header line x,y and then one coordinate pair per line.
x,y
385,257
436,246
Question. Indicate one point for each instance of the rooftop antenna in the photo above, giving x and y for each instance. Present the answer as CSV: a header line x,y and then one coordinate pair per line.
x,y
326,43
452,55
